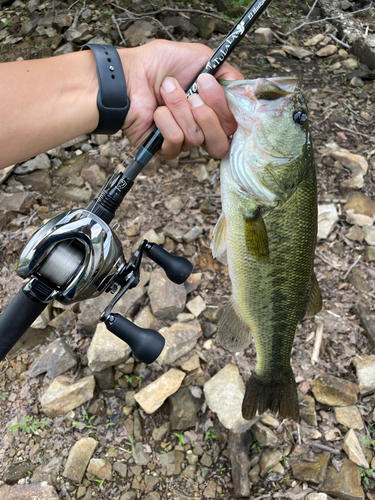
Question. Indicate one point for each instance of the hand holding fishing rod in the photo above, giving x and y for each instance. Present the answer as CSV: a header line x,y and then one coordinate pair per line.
x,y
76,255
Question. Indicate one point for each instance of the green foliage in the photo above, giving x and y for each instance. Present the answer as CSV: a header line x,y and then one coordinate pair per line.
x,y
87,421
256,445
29,425
365,474
180,437
100,481
131,443
4,395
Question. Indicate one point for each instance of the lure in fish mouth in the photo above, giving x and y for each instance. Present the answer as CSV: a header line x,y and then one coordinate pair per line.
x,y
268,227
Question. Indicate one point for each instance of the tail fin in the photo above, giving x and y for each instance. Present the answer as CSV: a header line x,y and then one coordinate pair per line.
x,y
275,395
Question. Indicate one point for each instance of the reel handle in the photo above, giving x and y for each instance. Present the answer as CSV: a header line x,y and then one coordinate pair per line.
x,y
16,318
145,343
177,269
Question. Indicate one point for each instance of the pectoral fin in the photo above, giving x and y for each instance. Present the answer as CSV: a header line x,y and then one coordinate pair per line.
x,y
232,331
256,236
315,300
219,239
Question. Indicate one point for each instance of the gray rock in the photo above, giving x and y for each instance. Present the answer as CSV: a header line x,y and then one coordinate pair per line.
x,y
55,360
67,48
73,194
62,396
41,491
180,339
263,36
139,455
353,449
79,457
205,25
151,397
358,280
159,433
15,472
138,32
105,379
63,320
120,468
183,409
175,233
193,234
238,447
101,468
166,298
174,204
365,368
224,394
129,495
39,180
40,162
298,52
196,306
172,461
16,202
94,175
333,391
268,460
264,435
106,350
307,409
181,25
349,416
327,218
345,484
313,471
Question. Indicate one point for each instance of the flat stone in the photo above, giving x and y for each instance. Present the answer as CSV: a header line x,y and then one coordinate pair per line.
x,y
140,456
180,339
63,396
105,379
360,203
94,175
106,350
145,318
238,448
317,496
192,363
349,416
176,234
17,471
39,491
358,280
151,397
354,182
40,162
333,391
63,320
326,51
120,468
370,254
39,180
358,219
73,194
357,164
196,306
327,218
270,421
268,460
365,368
181,26
159,433
56,359
172,461
263,36
185,317
16,202
353,449
307,409
174,204
193,234
78,459
298,52
356,82
100,468
264,435
370,234
205,25
311,42
312,472
166,298
193,282
210,490
138,32
345,484
184,409
355,233
224,394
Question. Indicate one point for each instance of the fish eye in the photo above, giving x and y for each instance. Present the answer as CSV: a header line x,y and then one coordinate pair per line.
x,y
300,117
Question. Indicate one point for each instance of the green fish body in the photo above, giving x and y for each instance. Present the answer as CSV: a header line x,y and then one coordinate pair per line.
x,y
268,227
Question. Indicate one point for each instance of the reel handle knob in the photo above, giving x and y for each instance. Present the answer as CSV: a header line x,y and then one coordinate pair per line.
x,y
145,343
177,269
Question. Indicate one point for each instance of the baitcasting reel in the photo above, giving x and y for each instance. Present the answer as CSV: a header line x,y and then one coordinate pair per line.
x,y
76,256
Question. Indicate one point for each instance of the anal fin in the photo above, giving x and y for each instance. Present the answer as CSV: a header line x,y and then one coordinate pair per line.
x,y
219,237
315,300
232,331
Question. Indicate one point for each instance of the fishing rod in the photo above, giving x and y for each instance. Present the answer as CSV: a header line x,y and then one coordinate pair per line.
x,y
76,255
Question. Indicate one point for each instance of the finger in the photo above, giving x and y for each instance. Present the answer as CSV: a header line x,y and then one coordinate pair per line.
x,y
227,72
171,131
176,101
215,139
214,96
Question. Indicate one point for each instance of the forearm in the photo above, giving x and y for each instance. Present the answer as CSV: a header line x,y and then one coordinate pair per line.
x,y
44,103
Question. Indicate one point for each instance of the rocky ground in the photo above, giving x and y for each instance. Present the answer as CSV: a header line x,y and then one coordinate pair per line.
x,y
81,418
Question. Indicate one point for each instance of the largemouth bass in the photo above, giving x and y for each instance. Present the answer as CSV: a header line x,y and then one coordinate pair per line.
x,y
268,226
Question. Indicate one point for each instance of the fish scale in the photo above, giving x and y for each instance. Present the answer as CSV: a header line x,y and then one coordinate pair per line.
x,y
270,242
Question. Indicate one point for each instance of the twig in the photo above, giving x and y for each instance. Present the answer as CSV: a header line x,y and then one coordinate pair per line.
x,y
169,9
326,448
262,496
73,4
352,267
77,15
339,41
317,343
354,132
326,261
114,20
325,19
7,366
153,19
